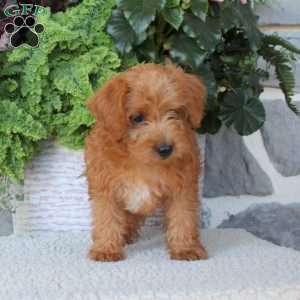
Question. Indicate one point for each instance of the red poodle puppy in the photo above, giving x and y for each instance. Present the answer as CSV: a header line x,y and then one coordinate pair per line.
x,y
142,154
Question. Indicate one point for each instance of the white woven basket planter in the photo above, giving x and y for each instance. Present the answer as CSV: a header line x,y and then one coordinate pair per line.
x,y
55,193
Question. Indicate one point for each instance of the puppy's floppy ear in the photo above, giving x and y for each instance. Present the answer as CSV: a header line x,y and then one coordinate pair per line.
x,y
193,93
108,105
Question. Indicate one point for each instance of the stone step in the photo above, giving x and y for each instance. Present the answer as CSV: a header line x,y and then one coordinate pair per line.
x,y
54,266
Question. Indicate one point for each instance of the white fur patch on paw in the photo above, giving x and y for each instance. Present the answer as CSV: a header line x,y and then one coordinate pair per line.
x,y
137,198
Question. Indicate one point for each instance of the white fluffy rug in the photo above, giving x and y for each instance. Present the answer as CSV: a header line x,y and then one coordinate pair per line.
x,y
54,266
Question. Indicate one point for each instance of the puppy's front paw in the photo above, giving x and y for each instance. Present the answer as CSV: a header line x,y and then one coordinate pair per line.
x,y
196,253
131,239
98,255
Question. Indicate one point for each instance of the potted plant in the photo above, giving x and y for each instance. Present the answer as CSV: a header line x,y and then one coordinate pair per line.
x,y
43,90
219,41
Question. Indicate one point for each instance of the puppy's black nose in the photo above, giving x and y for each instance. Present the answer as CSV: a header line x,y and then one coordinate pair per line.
x,y
164,150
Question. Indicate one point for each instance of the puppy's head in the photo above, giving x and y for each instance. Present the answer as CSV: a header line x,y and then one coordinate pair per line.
x,y
152,109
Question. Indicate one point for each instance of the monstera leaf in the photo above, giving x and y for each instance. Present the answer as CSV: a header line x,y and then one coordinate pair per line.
x,y
242,111
140,13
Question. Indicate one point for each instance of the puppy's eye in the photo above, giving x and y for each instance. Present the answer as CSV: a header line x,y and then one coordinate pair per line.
x,y
137,119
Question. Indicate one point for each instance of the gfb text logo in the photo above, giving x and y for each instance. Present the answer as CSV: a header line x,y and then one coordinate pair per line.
x,y
23,10
24,29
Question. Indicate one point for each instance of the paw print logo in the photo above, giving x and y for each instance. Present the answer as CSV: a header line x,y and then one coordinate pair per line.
x,y
24,31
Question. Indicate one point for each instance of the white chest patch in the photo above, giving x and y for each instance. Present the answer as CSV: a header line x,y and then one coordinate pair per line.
x,y
137,198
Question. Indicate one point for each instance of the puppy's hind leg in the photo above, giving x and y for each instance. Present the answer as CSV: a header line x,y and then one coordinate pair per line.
x,y
109,227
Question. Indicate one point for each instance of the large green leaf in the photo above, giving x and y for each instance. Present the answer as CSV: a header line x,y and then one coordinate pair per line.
x,y
148,51
242,111
206,74
173,16
248,21
233,13
122,34
140,13
210,124
207,36
228,19
200,8
173,3
186,51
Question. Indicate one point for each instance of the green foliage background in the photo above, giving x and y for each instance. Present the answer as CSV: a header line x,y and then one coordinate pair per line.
x,y
43,90
220,42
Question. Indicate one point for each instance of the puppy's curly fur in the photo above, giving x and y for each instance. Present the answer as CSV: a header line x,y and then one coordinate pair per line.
x,y
142,154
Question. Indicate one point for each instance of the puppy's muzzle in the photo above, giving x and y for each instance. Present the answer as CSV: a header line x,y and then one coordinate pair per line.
x,y
164,150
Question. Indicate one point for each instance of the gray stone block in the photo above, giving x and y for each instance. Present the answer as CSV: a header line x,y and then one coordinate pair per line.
x,y
206,215
230,169
279,224
281,136
279,12
10,193
6,223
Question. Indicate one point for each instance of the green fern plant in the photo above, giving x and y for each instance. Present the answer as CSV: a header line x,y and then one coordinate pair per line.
x,y
276,40
43,90
280,54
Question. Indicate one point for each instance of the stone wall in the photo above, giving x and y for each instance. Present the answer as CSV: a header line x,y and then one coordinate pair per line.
x,y
280,134
268,156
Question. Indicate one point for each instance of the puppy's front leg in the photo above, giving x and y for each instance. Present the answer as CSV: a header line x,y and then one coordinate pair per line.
x,y
182,228
108,231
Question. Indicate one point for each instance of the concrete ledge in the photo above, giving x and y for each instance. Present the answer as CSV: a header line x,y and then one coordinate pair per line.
x,y
279,12
54,266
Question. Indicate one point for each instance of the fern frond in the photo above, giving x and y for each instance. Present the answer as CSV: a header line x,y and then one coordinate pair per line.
x,y
284,72
276,40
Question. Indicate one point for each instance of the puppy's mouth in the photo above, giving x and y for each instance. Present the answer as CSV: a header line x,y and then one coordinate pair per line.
x,y
164,150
